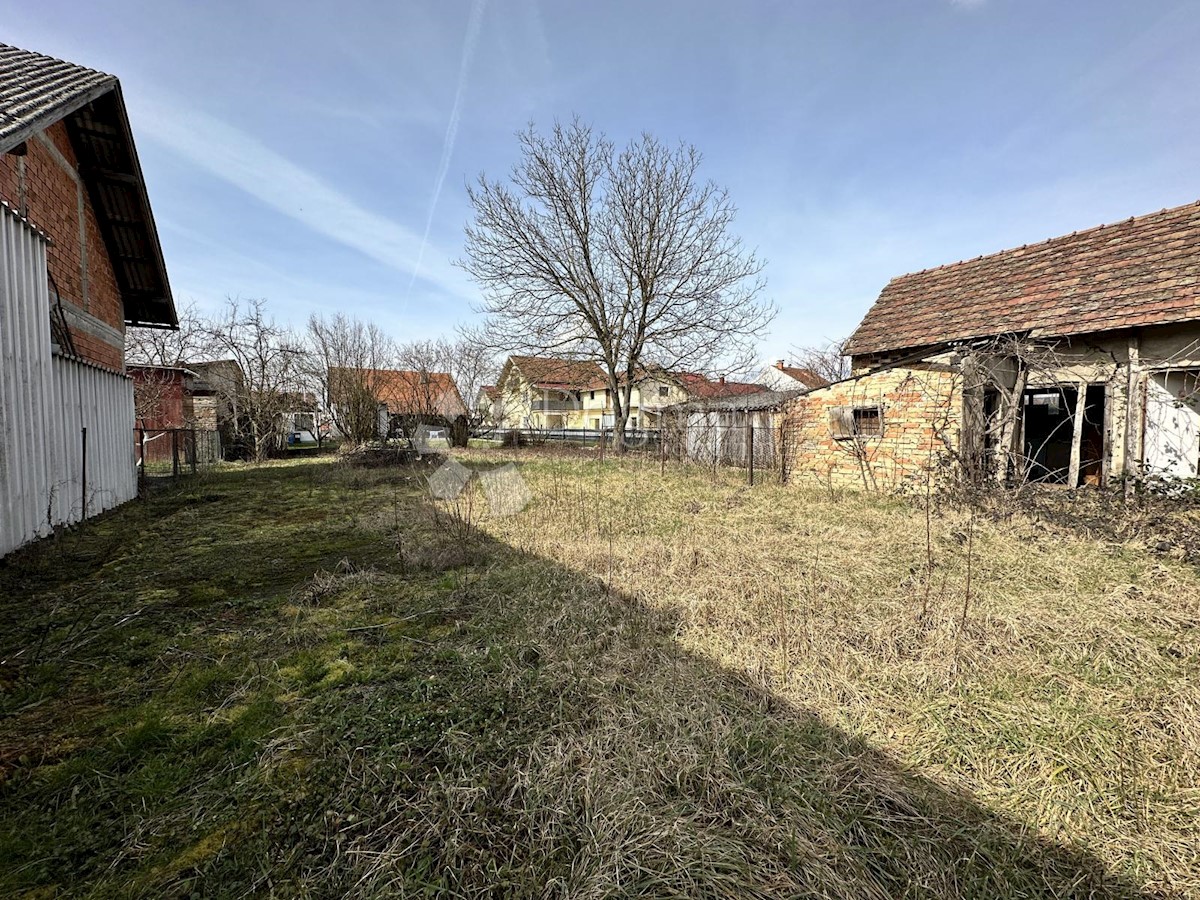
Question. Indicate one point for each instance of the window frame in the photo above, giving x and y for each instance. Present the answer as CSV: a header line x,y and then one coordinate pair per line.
x,y
845,422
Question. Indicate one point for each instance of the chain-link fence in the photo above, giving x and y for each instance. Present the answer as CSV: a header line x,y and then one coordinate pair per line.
x,y
173,452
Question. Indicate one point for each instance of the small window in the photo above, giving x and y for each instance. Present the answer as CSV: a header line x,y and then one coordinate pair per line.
x,y
846,422
592,395
663,390
633,421
868,421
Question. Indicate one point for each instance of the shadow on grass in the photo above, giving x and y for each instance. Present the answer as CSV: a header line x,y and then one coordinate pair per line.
x,y
506,727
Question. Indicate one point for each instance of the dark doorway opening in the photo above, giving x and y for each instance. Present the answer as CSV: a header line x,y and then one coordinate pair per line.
x,y
1049,431
1093,447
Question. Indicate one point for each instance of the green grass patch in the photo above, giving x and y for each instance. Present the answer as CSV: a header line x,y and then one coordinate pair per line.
x,y
311,679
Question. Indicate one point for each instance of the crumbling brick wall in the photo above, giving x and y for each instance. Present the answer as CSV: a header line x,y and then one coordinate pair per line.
x,y
44,185
920,414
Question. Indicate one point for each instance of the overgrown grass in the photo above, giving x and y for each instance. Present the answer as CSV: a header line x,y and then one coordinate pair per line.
x,y
308,679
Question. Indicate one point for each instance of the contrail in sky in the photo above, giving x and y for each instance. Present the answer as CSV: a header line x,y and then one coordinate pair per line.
x,y
474,24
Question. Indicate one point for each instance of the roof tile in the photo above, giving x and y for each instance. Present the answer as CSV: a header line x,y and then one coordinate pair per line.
x,y
36,90
1142,271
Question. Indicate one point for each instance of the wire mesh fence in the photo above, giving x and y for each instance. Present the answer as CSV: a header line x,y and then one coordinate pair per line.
x,y
752,443
175,452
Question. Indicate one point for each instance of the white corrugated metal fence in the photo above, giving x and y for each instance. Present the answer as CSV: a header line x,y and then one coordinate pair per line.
x,y
46,402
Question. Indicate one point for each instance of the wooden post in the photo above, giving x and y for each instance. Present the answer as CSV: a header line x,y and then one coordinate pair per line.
x,y
1128,468
1077,435
973,426
141,458
175,453
194,450
1010,445
662,449
750,444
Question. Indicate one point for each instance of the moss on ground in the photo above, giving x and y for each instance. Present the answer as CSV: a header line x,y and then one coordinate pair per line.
x,y
309,679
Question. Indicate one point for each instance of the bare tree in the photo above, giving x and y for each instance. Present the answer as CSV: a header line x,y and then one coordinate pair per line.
x,y
472,364
343,363
269,357
625,258
168,346
828,360
427,389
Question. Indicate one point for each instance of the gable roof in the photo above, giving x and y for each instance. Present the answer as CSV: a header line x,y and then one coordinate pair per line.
x,y
35,92
1143,271
559,374
409,392
806,377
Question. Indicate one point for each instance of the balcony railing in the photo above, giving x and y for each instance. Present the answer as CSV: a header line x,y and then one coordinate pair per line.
x,y
553,406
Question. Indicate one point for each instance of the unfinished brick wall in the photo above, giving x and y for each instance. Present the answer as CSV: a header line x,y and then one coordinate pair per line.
x,y
44,185
921,418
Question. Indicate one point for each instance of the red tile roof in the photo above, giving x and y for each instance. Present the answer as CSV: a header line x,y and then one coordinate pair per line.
x,y
1143,271
702,387
562,374
806,377
408,392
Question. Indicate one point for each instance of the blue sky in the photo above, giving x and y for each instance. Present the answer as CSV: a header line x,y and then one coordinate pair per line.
x,y
294,150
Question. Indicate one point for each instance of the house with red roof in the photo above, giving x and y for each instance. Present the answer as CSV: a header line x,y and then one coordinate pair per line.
x,y
1074,361
553,393
402,399
782,377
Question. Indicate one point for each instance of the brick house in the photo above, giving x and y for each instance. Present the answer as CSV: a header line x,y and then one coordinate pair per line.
x,y
1074,361
79,260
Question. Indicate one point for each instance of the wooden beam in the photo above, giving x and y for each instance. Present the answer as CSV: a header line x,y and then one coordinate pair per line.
x,y
1132,419
1009,448
1077,434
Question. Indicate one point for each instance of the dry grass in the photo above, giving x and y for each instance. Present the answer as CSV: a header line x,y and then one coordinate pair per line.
x,y
316,680
1069,703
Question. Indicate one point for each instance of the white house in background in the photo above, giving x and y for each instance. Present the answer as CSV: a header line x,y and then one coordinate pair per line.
x,y
782,377
489,405
79,260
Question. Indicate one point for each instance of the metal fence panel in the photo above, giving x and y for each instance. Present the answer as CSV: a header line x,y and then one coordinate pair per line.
x,y
175,451
46,403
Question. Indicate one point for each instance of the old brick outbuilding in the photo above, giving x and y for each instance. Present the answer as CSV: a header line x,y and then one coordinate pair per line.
x,y
79,260
1074,361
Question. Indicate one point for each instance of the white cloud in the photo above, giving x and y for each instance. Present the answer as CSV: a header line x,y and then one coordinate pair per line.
x,y
245,162
474,24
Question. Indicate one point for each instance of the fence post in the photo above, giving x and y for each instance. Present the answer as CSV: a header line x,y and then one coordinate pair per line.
x,y
750,446
175,453
662,450
195,450
83,470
